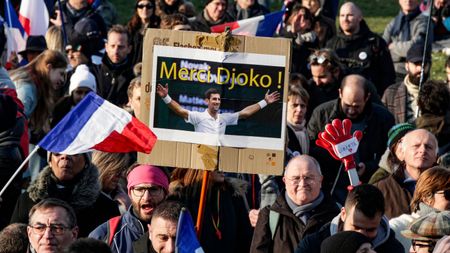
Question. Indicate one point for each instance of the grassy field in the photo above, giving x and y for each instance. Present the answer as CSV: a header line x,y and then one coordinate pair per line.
x,y
377,14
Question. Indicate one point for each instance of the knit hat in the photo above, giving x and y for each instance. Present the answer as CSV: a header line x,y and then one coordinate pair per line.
x,y
147,174
397,132
434,225
343,242
206,2
82,78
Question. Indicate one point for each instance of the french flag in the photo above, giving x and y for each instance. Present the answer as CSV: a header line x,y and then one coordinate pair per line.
x,y
262,26
186,239
34,17
96,124
15,33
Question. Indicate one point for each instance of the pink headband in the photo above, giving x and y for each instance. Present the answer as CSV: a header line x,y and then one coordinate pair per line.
x,y
147,174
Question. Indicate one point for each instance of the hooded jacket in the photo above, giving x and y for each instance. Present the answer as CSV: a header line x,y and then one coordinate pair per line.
x,y
129,230
290,229
384,242
82,194
367,54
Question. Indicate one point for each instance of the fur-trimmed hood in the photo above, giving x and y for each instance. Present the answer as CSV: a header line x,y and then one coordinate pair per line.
x,y
85,188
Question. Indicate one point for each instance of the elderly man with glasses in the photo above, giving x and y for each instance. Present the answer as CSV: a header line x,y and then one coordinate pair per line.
x,y
52,227
147,188
299,210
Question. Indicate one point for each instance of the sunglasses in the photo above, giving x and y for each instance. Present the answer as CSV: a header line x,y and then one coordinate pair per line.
x,y
445,192
318,59
142,6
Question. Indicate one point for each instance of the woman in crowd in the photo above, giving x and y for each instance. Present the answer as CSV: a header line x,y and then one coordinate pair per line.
x,y
144,17
39,85
431,194
112,168
226,227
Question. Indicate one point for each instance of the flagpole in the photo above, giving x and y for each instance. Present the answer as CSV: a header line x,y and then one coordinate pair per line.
x,y
19,169
201,205
63,29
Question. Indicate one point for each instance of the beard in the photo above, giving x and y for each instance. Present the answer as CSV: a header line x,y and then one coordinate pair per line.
x,y
415,79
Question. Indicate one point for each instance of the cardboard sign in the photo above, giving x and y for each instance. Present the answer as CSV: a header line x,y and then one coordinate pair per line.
x,y
243,70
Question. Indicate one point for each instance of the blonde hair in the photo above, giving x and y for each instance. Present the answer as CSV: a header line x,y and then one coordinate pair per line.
x,y
110,164
54,39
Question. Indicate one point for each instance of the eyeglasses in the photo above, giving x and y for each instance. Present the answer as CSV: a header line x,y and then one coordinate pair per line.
x,y
142,6
140,191
445,192
56,229
417,244
318,59
306,179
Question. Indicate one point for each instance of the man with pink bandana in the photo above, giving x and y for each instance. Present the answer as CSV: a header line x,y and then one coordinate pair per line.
x,y
147,187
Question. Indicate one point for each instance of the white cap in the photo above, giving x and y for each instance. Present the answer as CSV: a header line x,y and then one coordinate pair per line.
x,y
82,78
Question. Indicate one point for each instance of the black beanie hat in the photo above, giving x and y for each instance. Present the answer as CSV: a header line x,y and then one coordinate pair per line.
x,y
343,242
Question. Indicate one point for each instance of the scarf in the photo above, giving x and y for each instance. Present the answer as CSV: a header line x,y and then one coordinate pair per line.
x,y
401,24
303,212
411,100
301,134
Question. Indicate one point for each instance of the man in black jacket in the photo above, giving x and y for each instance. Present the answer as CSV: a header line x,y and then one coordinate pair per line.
x,y
242,9
372,119
361,50
115,73
364,213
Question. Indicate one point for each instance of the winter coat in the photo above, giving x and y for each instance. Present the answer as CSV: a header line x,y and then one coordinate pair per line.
x,y
325,28
384,242
394,98
82,193
199,22
231,217
377,122
417,28
439,126
290,229
396,197
143,244
129,230
367,54
113,80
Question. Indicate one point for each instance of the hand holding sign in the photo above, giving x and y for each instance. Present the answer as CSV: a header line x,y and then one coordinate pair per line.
x,y
340,143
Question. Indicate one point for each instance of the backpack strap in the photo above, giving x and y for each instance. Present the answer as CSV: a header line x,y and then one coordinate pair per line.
x,y
273,222
112,226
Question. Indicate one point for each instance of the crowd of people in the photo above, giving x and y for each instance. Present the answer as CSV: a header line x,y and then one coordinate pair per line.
x,y
107,202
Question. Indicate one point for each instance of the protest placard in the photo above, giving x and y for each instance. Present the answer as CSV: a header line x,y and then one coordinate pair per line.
x,y
186,65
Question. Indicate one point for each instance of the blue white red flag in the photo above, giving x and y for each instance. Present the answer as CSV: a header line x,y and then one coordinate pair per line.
x,y
33,15
96,124
16,36
186,240
263,26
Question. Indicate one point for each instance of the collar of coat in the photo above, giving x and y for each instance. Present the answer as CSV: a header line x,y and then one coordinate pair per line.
x,y
85,190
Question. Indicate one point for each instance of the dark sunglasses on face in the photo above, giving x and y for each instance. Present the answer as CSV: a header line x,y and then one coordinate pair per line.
x,y
142,6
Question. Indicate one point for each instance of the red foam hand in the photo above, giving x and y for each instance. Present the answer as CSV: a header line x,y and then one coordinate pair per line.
x,y
335,136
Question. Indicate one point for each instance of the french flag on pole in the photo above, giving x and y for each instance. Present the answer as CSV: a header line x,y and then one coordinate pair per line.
x,y
96,124
33,15
186,239
15,33
262,26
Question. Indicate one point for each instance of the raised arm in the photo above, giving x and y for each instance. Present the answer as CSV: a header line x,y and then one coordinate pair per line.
x,y
269,98
163,93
